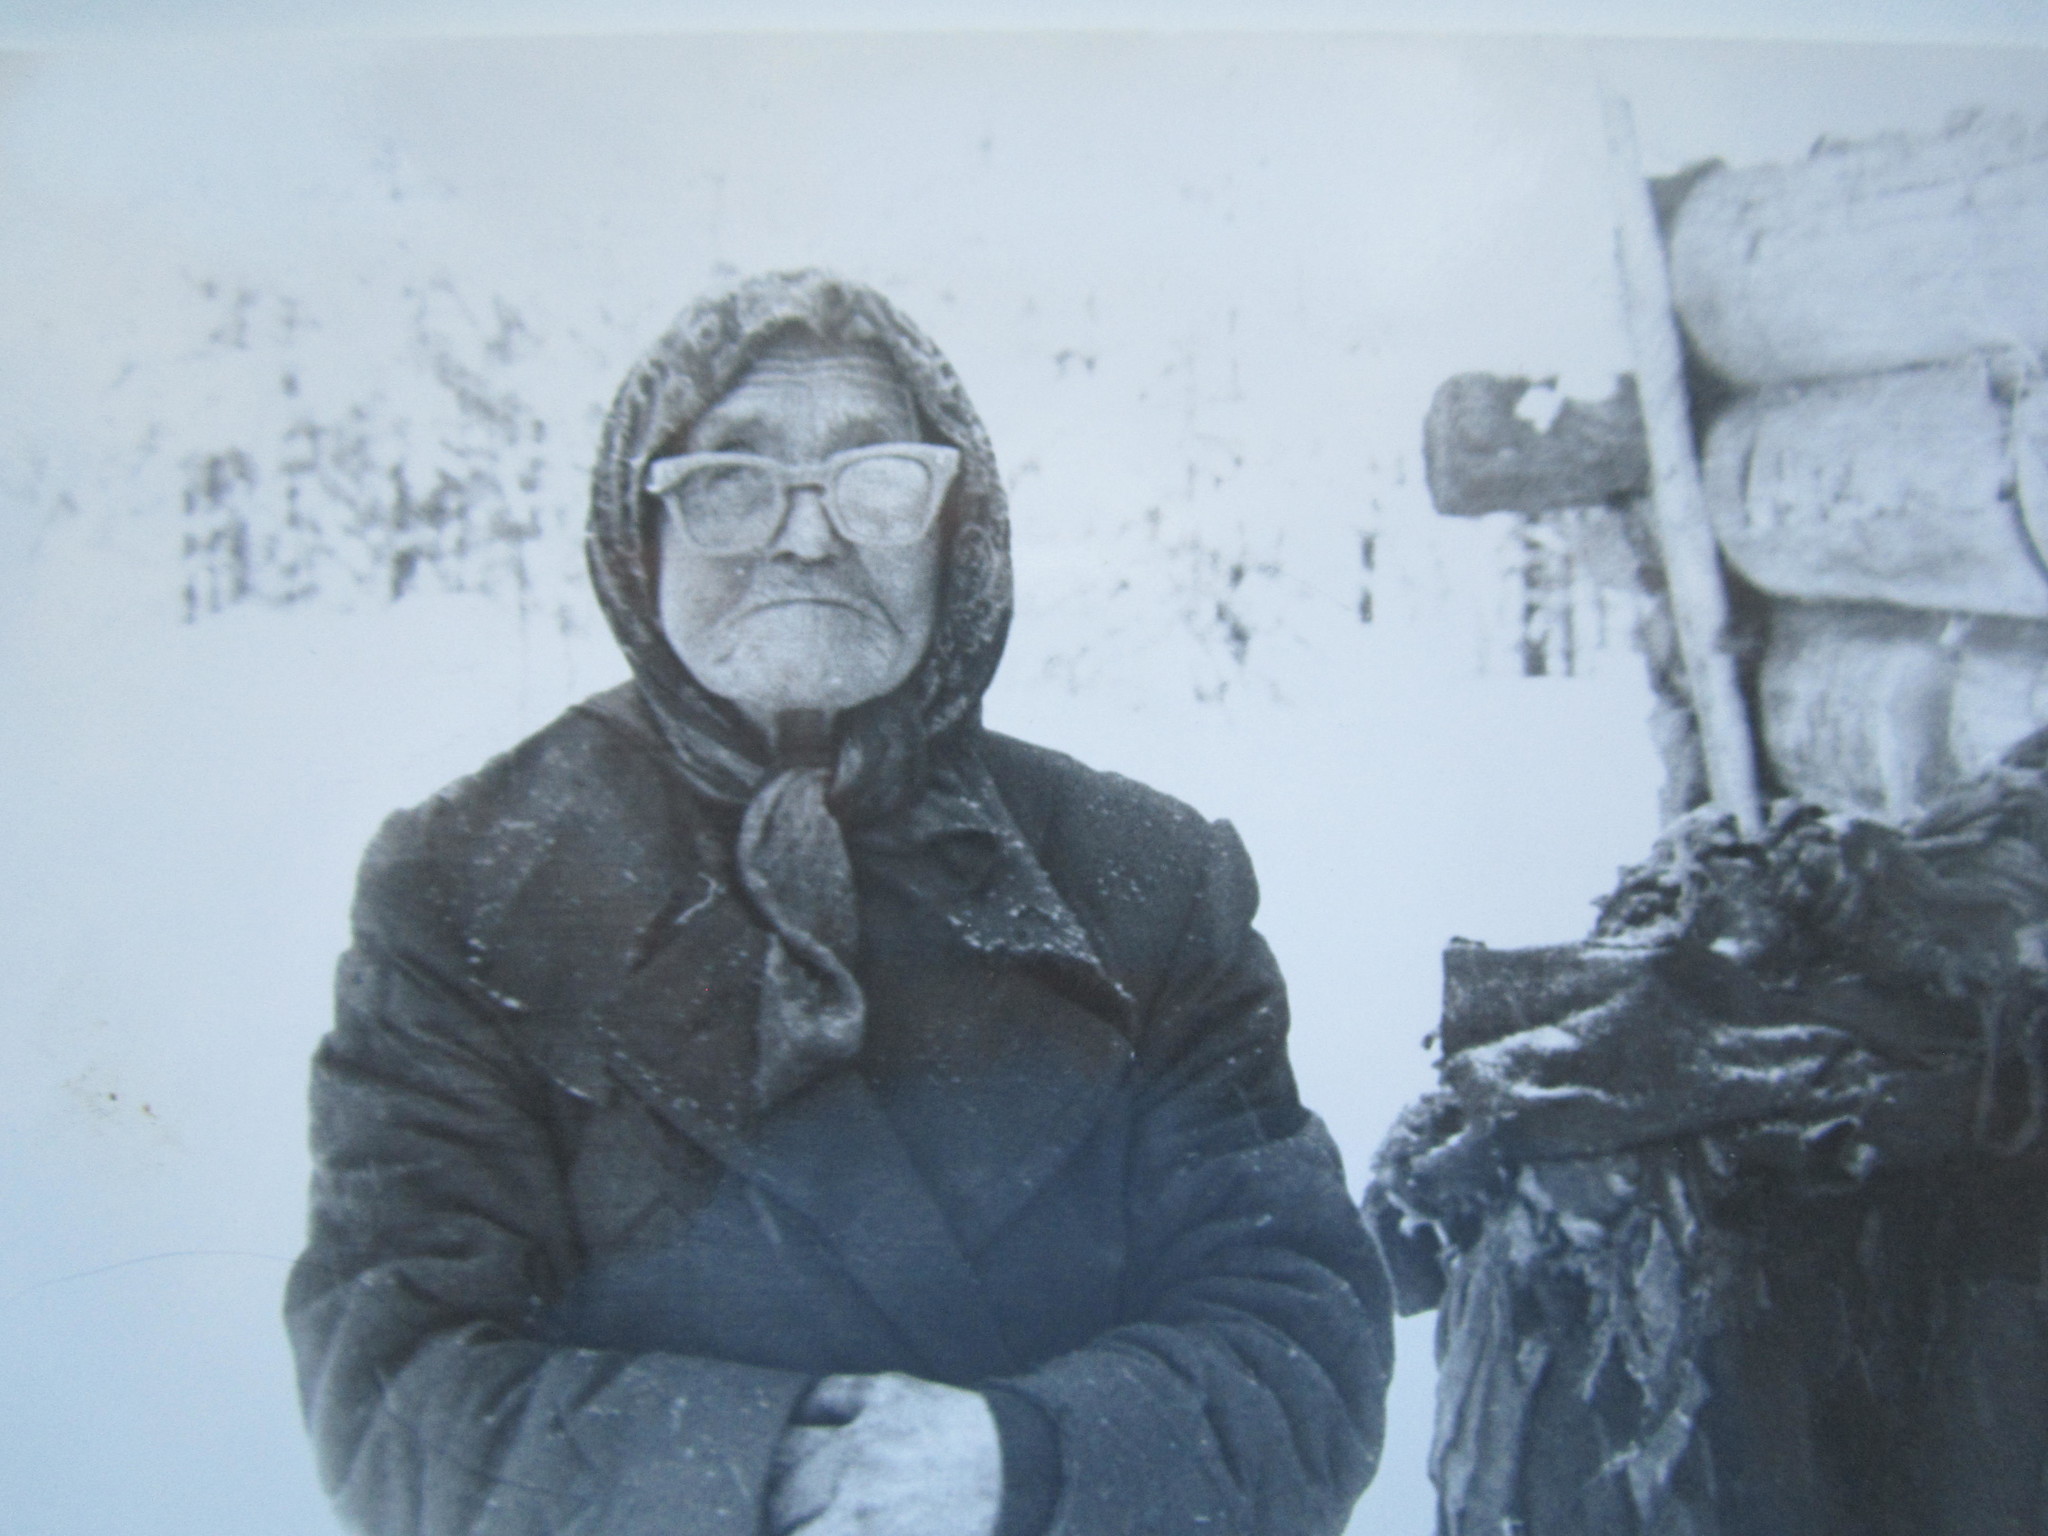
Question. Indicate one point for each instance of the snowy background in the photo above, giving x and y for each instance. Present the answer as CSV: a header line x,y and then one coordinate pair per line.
x,y
302,356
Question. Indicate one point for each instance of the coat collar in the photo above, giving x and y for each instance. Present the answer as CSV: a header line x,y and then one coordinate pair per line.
x,y
961,853
957,848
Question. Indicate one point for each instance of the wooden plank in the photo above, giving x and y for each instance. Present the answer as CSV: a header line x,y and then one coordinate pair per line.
x,y
1685,538
1868,256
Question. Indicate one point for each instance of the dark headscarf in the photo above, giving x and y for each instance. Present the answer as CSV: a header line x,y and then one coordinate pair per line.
x,y
888,759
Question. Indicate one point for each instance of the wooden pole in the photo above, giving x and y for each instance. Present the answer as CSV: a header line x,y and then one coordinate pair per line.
x,y
1685,538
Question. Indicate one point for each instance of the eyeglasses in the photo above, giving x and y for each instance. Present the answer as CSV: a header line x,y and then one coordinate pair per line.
x,y
735,503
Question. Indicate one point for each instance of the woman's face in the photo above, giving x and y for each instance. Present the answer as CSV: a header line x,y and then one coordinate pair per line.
x,y
810,621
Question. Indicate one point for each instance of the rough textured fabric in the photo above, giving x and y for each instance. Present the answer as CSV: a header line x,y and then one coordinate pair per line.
x,y
1737,1215
567,1274
812,1011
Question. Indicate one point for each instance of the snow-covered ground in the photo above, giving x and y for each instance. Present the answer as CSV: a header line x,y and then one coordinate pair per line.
x,y
1201,289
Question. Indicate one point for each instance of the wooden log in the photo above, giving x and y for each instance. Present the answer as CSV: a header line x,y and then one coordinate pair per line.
x,y
1480,456
1868,256
1881,710
1685,537
1894,488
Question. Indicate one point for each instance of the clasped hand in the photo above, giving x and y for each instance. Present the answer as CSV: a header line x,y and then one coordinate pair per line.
x,y
888,1455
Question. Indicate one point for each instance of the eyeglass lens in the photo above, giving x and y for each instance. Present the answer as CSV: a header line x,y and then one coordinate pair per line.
x,y
886,499
729,507
879,499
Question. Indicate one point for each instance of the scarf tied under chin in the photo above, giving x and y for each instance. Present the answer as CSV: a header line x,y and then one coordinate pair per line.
x,y
793,862
935,821
951,846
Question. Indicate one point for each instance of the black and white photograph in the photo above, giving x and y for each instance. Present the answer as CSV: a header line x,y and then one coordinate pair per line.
x,y
908,775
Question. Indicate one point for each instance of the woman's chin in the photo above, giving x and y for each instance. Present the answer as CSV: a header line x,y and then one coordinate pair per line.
x,y
811,656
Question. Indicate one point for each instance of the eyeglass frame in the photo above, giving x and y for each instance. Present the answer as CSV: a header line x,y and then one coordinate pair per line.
x,y
940,461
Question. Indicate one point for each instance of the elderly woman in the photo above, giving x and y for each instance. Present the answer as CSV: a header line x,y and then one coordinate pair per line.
x,y
766,1101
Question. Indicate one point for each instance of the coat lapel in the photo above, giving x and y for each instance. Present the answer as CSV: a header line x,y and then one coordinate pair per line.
x,y
962,855
996,1077
831,1153
1025,1031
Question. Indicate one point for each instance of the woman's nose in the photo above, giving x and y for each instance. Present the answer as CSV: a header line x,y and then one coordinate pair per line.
x,y
806,533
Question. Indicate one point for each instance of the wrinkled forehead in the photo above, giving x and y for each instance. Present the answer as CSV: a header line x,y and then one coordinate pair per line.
x,y
803,397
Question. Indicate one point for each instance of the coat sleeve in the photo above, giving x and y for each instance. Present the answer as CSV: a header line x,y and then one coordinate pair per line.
x,y
439,1233
1245,1391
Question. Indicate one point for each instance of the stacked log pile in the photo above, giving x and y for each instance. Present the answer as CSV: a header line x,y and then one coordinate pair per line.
x,y
1872,322
1736,1214
1883,307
